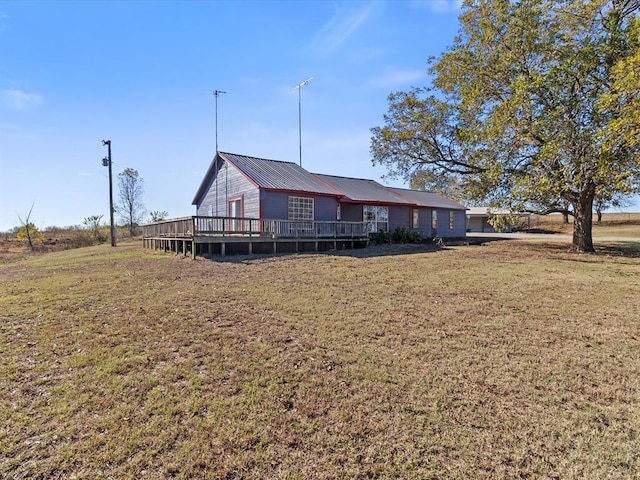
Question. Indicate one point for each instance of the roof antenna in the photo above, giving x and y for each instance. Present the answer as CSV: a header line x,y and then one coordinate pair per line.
x,y
217,93
299,88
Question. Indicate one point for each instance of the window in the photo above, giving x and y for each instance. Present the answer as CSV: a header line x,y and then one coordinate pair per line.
x,y
300,208
434,220
415,220
376,217
451,219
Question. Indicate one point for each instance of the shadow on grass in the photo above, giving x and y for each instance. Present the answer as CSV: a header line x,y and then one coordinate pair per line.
x,y
364,252
616,249
619,249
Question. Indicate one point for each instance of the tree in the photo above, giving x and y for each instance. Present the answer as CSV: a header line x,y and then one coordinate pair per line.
x,y
158,215
447,185
94,224
131,208
28,230
522,108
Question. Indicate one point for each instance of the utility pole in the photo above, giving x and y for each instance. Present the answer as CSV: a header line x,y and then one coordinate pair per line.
x,y
299,88
106,162
216,94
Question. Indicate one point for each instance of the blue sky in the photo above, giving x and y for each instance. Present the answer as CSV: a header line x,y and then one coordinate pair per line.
x,y
142,74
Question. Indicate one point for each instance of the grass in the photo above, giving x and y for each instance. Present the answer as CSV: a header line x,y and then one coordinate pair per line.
x,y
508,360
618,225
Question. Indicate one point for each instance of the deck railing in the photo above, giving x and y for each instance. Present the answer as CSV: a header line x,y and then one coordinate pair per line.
x,y
188,227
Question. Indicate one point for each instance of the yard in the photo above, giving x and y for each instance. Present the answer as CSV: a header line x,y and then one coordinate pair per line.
x,y
507,360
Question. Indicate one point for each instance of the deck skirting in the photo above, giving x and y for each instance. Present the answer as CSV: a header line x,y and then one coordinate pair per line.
x,y
208,246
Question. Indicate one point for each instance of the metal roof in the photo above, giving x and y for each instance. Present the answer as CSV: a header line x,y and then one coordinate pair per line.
x,y
279,175
428,199
268,174
289,176
363,190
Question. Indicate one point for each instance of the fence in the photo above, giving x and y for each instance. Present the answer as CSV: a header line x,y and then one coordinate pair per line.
x,y
189,227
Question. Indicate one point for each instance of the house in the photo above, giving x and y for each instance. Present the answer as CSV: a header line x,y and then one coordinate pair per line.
x,y
249,187
241,186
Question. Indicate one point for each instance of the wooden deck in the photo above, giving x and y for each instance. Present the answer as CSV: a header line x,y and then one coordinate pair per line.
x,y
227,235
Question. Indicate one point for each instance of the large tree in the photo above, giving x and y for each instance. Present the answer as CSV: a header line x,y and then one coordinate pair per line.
x,y
131,208
523,107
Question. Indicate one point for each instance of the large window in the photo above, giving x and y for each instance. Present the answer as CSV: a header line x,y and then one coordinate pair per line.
x,y
415,218
376,217
434,219
301,208
451,219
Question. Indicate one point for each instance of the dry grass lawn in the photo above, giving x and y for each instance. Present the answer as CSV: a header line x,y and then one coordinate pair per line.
x,y
502,361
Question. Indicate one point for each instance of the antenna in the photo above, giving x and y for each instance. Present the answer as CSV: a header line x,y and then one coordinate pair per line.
x,y
216,93
299,88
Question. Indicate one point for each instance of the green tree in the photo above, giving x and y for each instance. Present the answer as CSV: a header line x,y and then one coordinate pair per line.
x,y
447,185
158,215
521,107
95,226
131,208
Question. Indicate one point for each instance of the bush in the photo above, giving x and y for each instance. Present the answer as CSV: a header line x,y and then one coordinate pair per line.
x,y
399,235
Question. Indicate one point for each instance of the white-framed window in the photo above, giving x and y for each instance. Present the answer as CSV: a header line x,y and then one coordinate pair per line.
x,y
434,219
377,218
415,218
451,219
300,208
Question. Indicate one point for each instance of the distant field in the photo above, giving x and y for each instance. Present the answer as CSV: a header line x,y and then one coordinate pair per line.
x,y
501,361
620,225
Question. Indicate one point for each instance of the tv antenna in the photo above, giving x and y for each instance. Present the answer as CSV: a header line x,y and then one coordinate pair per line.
x,y
216,93
299,88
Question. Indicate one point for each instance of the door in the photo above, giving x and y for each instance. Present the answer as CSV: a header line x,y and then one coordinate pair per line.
x,y
235,212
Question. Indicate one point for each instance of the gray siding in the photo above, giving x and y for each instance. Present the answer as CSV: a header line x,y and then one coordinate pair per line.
x,y
459,224
275,205
443,230
351,212
424,222
230,183
399,217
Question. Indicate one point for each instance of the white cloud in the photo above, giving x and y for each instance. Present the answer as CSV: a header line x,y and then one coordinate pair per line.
x,y
19,100
342,25
393,77
440,6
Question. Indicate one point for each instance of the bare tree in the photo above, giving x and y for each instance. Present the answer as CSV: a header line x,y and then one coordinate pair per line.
x,y
28,230
131,208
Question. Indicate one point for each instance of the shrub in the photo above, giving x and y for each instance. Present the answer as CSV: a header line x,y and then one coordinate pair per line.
x,y
399,235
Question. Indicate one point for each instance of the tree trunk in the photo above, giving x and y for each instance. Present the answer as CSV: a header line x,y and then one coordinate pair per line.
x,y
583,223
29,238
599,214
565,217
